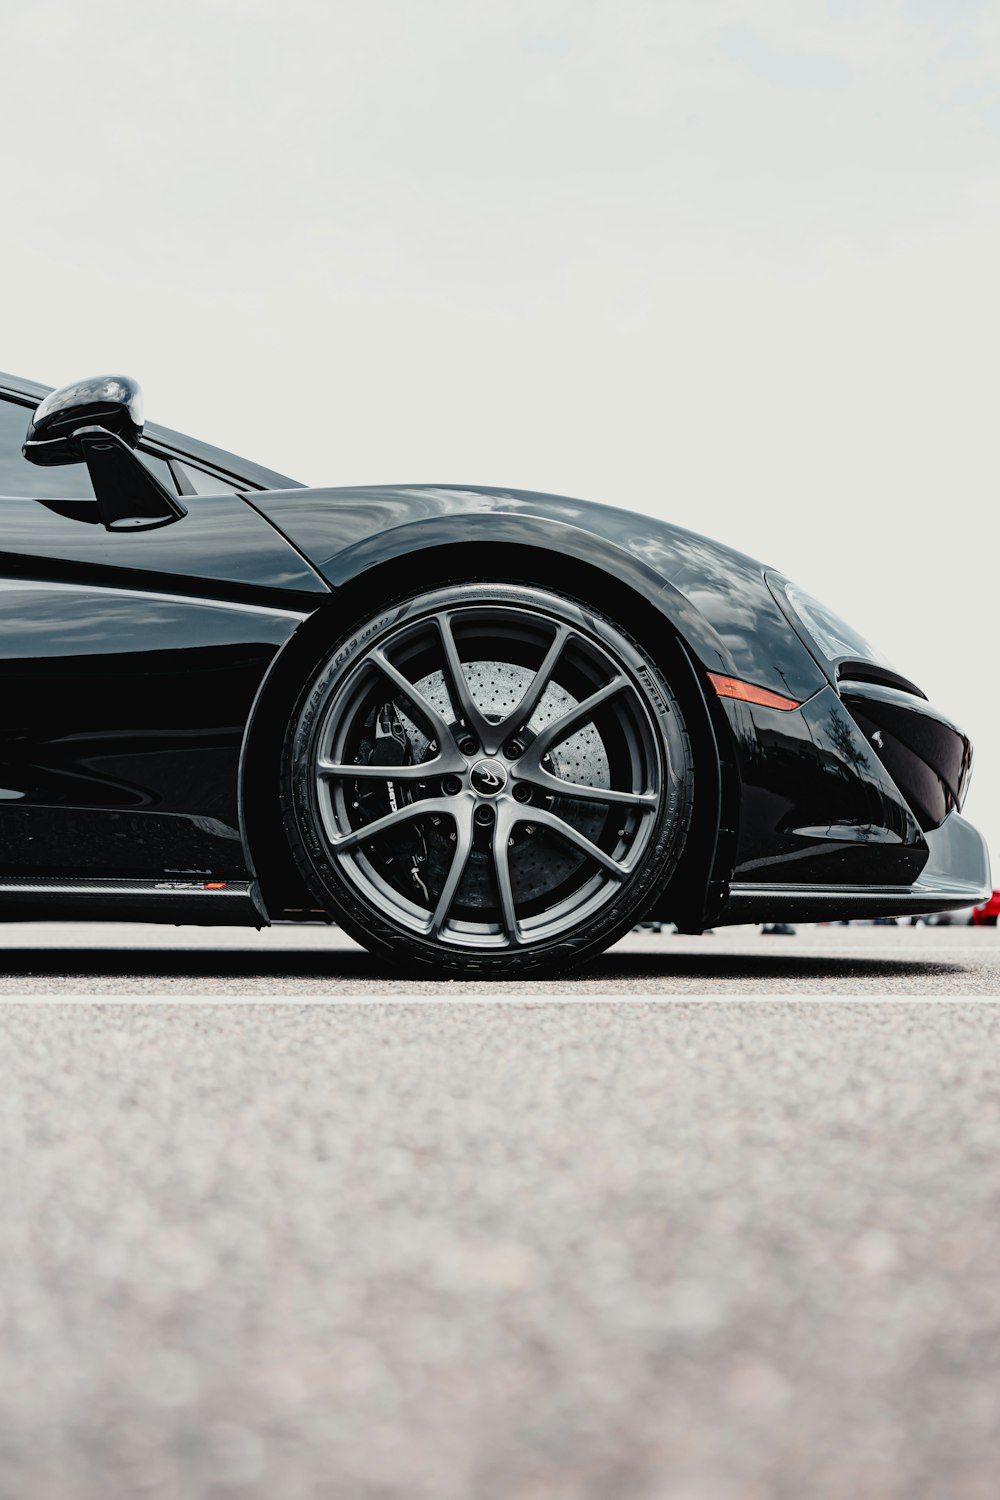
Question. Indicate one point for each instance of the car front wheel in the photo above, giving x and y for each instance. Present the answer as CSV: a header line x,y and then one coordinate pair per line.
x,y
487,779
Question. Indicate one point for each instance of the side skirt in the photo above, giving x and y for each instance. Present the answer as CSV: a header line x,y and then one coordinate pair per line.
x,y
233,903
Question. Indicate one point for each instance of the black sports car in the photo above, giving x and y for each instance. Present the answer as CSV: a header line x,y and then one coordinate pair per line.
x,y
486,731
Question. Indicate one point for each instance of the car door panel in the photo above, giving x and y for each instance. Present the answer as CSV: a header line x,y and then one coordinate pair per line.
x,y
122,722
129,663
222,541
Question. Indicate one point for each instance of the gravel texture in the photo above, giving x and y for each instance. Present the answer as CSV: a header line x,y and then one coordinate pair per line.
x,y
648,1249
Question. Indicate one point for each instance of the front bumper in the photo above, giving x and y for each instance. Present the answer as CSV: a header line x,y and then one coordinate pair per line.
x,y
957,873
851,807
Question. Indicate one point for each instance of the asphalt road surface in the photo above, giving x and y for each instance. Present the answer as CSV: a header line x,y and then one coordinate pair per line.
x,y
672,1245
320,962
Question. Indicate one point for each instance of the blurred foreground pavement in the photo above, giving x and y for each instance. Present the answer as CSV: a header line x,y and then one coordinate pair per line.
x,y
651,1250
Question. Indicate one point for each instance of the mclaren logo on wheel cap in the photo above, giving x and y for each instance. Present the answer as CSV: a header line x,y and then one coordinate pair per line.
x,y
488,777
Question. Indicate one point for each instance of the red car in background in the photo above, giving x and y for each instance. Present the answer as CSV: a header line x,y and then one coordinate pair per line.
x,y
986,915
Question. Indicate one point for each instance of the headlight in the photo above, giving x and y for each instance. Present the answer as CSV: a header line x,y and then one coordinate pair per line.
x,y
820,629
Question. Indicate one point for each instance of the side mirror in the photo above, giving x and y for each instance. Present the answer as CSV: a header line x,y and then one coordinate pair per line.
x,y
111,402
99,422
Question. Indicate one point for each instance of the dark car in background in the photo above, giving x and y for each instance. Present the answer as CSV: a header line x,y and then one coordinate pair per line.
x,y
484,730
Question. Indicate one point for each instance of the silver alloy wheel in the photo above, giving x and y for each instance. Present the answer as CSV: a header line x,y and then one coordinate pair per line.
x,y
527,775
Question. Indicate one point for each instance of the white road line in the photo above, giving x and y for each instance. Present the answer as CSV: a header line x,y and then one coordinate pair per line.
x,y
522,1002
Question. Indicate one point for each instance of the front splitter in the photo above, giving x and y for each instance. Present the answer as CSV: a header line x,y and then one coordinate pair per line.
x,y
957,873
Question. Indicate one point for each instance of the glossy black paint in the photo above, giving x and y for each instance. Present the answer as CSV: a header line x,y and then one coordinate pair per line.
x,y
130,662
124,716
714,596
818,804
139,671
222,544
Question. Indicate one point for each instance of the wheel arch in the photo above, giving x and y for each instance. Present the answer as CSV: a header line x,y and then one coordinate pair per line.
x,y
641,606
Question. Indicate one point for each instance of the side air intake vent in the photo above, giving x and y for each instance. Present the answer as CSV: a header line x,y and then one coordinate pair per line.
x,y
866,671
927,756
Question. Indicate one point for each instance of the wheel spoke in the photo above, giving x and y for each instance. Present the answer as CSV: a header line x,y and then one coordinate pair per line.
x,y
463,848
501,869
425,771
535,691
544,781
542,818
464,704
423,709
430,806
582,713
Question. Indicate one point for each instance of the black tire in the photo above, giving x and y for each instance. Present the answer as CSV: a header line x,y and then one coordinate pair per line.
x,y
527,767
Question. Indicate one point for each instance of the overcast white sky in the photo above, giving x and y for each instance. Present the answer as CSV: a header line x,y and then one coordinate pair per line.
x,y
733,264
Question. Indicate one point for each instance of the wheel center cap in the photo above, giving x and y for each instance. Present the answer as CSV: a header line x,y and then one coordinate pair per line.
x,y
488,777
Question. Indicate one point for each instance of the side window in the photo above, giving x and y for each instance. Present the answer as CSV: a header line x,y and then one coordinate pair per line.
x,y
160,468
19,478
65,482
193,481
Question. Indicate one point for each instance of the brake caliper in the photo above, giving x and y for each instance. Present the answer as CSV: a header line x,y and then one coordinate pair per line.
x,y
391,747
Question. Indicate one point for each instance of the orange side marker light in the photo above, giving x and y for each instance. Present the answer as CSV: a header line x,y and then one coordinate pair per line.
x,y
731,687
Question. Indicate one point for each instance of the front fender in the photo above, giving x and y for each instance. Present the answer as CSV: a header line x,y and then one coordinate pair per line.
x,y
716,598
